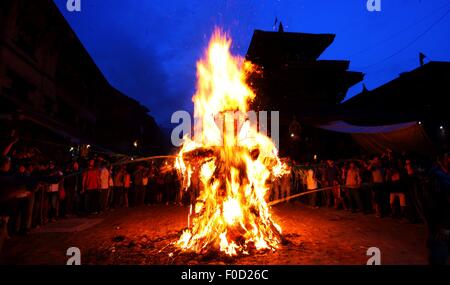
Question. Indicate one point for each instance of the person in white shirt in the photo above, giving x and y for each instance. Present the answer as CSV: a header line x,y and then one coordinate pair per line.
x,y
104,186
53,192
312,184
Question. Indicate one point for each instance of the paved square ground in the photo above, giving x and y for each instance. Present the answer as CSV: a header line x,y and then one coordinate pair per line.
x,y
144,235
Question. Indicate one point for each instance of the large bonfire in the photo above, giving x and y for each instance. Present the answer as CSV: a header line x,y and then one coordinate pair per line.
x,y
230,159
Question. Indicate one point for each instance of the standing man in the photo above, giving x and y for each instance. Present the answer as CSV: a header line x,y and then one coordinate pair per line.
x,y
16,201
432,198
53,191
73,186
312,184
378,186
145,180
104,186
150,192
138,186
119,179
91,186
286,185
353,184
332,180
126,187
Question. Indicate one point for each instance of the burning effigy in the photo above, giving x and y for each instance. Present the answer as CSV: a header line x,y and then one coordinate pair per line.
x,y
233,161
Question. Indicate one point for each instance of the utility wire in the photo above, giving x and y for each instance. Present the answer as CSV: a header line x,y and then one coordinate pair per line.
x,y
407,45
399,32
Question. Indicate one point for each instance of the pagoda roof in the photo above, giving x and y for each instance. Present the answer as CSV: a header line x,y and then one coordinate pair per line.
x,y
293,80
266,47
406,97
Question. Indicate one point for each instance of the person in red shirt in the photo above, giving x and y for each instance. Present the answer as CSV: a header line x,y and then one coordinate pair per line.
x,y
126,187
91,186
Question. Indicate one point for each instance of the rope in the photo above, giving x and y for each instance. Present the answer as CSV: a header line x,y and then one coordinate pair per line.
x,y
299,194
311,191
124,162
407,45
146,158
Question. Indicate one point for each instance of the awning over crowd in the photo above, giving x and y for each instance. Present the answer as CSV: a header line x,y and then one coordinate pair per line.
x,y
407,137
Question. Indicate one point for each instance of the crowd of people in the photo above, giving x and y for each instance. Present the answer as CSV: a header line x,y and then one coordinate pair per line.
x,y
384,184
36,190
103,187
381,184
417,190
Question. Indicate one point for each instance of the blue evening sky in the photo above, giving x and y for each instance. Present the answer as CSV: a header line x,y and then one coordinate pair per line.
x,y
148,48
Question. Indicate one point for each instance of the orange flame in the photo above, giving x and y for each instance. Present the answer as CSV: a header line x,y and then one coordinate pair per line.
x,y
231,167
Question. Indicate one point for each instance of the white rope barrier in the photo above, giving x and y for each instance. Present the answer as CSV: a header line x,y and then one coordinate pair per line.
x,y
299,194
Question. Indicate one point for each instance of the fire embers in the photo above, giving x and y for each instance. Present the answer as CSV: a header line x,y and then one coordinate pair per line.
x,y
230,213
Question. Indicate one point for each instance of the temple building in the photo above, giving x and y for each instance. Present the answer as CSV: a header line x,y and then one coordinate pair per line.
x,y
414,96
293,81
406,114
52,91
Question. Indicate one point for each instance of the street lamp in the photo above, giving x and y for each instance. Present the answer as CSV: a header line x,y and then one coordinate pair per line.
x,y
135,143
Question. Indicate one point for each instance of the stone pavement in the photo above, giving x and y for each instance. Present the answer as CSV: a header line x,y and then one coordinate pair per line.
x,y
143,236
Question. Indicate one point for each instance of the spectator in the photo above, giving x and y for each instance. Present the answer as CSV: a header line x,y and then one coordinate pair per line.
x,y
143,191
104,186
353,185
110,189
378,185
332,196
311,184
397,191
433,199
126,187
91,185
366,189
53,190
119,179
150,192
344,191
168,185
73,186
285,185
411,183
162,187
16,201
179,189
139,188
